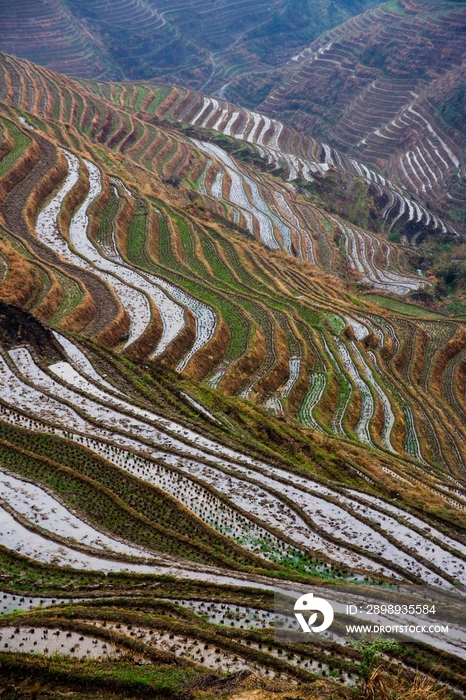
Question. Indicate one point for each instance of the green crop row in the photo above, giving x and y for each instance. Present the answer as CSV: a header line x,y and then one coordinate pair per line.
x,y
73,295
140,497
16,244
137,233
161,94
148,162
45,286
258,313
142,92
187,236
139,134
239,339
155,680
68,105
21,142
117,118
167,158
219,268
100,508
279,308
80,109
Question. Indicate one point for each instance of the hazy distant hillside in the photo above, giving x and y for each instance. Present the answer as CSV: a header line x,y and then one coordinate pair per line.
x,y
193,43
388,88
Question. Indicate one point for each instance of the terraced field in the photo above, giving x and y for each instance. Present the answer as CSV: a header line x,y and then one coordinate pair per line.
x,y
184,274
84,453
304,161
197,403
383,87
71,38
197,43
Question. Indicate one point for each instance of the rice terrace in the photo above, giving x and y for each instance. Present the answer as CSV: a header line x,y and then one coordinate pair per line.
x,y
232,349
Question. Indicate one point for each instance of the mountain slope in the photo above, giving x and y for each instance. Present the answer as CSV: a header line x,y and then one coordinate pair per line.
x,y
176,269
197,401
196,43
386,88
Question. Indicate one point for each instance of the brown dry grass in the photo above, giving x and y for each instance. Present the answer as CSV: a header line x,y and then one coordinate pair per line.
x,y
149,155
188,164
6,144
177,162
378,420
321,691
168,101
82,315
402,356
398,434
21,168
23,283
386,352
424,689
280,371
119,134
130,140
197,168
421,338
246,365
85,116
181,344
378,686
146,101
120,326
52,299
44,189
461,381
148,341
452,348
353,411
106,127
300,388
140,146
327,406
381,686
211,354
73,199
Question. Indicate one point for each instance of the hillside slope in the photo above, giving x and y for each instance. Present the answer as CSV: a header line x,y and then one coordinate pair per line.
x,y
387,88
197,401
195,43
210,265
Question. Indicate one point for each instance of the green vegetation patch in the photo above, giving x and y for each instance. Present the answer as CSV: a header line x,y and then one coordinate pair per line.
x,y
21,142
139,512
400,307
160,95
161,681
73,295
137,252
